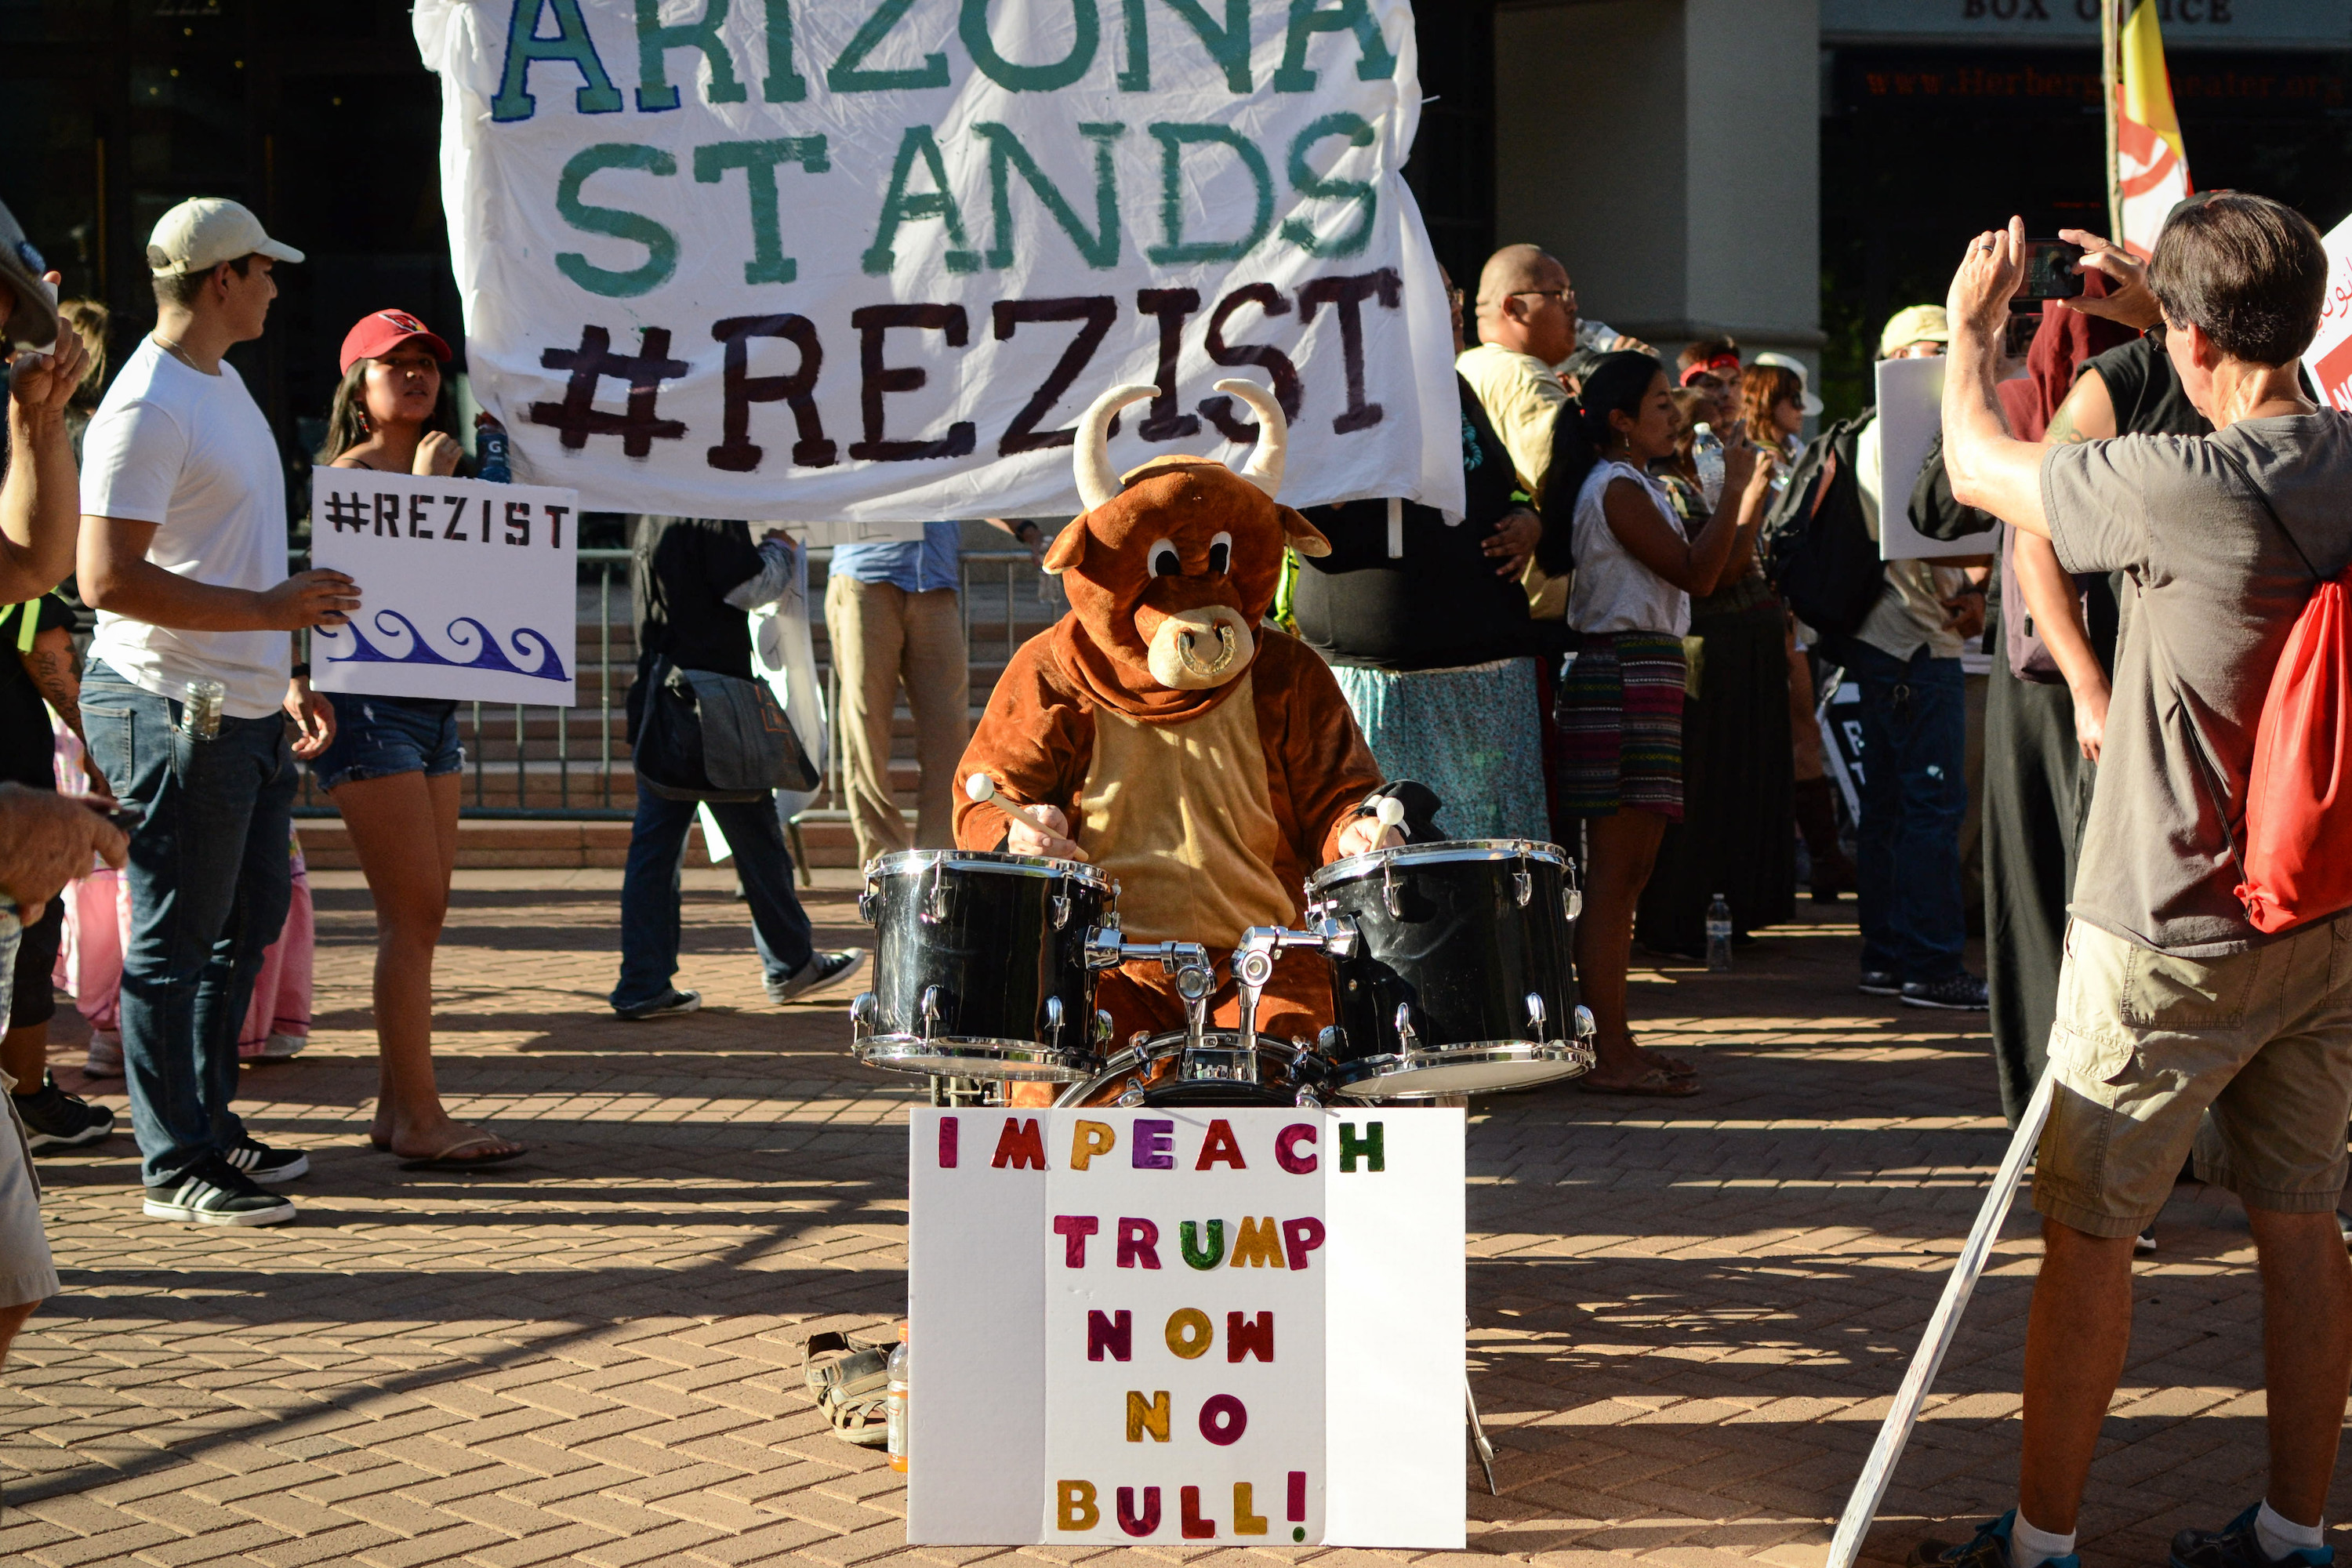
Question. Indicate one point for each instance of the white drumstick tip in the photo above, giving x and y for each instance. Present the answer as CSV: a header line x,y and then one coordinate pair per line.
x,y
980,788
1391,811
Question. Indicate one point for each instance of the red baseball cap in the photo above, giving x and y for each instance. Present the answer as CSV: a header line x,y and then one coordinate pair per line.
x,y
381,332
1718,367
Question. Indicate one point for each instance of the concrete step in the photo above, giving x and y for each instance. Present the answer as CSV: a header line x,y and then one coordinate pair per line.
x,y
555,845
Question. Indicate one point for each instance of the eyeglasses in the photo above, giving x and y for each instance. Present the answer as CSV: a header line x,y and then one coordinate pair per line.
x,y
1565,296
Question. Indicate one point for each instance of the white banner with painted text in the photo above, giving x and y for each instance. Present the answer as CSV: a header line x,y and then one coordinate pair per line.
x,y
869,259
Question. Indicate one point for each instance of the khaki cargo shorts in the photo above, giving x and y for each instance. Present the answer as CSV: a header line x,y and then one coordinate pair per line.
x,y
2145,1043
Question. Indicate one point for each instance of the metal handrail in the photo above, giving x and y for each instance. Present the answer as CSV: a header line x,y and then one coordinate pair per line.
x,y
540,736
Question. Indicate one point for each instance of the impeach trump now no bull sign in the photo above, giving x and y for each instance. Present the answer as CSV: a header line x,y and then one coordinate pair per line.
x,y
466,589
1184,1326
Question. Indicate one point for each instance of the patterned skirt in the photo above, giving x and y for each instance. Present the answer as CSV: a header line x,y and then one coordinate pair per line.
x,y
1619,711
1470,735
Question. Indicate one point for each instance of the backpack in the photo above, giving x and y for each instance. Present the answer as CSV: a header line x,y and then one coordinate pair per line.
x,y
2297,857
1818,552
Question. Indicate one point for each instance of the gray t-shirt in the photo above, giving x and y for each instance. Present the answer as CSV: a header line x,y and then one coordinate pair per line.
x,y
2213,589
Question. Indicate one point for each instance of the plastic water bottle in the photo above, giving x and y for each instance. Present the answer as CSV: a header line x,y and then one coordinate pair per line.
x,y
1707,453
1718,935
490,448
895,1433
200,709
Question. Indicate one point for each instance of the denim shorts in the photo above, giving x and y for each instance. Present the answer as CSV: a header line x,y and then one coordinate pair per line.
x,y
376,737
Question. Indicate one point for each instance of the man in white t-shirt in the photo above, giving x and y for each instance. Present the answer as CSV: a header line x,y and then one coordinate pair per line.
x,y
182,553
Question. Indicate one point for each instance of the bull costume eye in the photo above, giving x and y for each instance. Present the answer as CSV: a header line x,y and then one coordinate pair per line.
x,y
1221,554
1163,557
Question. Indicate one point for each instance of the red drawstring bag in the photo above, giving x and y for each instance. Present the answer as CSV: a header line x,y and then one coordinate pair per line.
x,y
2298,852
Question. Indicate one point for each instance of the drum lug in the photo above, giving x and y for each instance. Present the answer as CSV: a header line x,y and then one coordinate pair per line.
x,y
869,903
1404,1028
1585,1026
862,1010
1522,885
1103,1027
934,899
1308,1100
1061,911
928,1011
1331,1042
1054,1019
1134,1096
1571,898
1535,1016
1389,896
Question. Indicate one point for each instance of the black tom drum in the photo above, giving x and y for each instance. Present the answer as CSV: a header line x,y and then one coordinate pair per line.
x,y
982,969
1460,980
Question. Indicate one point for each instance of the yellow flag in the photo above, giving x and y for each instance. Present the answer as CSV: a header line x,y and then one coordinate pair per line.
x,y
2151,169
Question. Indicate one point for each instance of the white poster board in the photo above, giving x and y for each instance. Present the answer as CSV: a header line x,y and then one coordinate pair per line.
x,y
2329,358
1181,1326
466,589
1910,417
879,256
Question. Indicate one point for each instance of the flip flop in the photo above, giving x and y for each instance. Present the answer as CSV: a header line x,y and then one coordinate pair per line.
x,y
1656,1084
449,1160
852,1387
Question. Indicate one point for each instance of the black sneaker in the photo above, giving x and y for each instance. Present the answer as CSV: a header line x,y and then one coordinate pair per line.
x,y
820,972
2235,1545
214,1192
56,1120
1988,1548
676,1002
1960,994
263,1163
1881,983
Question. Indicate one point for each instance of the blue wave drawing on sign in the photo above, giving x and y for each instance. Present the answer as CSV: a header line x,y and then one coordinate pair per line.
x,y
490,655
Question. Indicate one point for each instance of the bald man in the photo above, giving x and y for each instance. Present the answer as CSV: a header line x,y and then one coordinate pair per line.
x,y
1526,324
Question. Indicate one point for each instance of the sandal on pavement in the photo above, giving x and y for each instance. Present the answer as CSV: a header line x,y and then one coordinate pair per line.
x,y
454,1158
852,1388
1657,1084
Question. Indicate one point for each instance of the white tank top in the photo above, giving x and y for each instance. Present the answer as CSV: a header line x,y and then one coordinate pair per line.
x,y
1613,590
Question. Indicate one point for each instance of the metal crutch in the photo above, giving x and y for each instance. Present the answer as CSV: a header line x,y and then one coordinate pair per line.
x,y
1862,1508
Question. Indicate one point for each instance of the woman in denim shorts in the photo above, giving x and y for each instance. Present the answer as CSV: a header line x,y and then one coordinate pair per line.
x,y
393,767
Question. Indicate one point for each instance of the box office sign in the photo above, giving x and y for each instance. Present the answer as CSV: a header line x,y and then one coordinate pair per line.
x,y
466,589
1183,1326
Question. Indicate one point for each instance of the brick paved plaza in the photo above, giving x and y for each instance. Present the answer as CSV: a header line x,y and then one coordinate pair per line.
x,y
1687,1316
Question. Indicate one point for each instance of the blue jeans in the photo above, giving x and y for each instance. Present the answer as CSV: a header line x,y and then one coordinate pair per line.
x,y
1914,796
649,893
378,737
210,879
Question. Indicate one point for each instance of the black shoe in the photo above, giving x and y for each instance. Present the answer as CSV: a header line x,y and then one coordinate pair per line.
x,y
214,1192
1881,983
676,1002
1988,1548
56,1120
2235,1545
263,1163
820,972
2144,1242
1961,994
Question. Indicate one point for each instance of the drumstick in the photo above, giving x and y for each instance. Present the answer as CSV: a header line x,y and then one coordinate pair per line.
x,y
979,787
1391,811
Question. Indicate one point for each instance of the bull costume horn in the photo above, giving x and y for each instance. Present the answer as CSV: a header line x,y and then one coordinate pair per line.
x,y
1099,482
1264,466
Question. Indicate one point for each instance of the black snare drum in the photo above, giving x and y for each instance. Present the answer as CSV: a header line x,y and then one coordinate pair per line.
x,y
982,971
1459,982
1164,1070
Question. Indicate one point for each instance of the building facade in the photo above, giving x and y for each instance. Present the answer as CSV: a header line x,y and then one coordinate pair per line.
x,y
1790,171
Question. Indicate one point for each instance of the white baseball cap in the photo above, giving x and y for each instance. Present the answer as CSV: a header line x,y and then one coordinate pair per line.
x,y
205,231
1805,398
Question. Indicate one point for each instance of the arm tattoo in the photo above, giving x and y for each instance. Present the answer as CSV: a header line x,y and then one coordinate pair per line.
x,y
2063,431
52,671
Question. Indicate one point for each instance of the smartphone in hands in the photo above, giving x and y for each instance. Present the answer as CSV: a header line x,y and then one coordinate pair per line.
x,y
2049,270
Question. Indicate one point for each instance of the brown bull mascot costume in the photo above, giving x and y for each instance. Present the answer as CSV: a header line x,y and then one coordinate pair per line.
x,y
1207,762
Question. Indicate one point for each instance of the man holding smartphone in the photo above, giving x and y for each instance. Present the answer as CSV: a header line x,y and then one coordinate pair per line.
x,y
183,556
2180,1025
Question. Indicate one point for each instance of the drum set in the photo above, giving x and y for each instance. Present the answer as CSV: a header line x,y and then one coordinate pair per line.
x,y
1449,964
